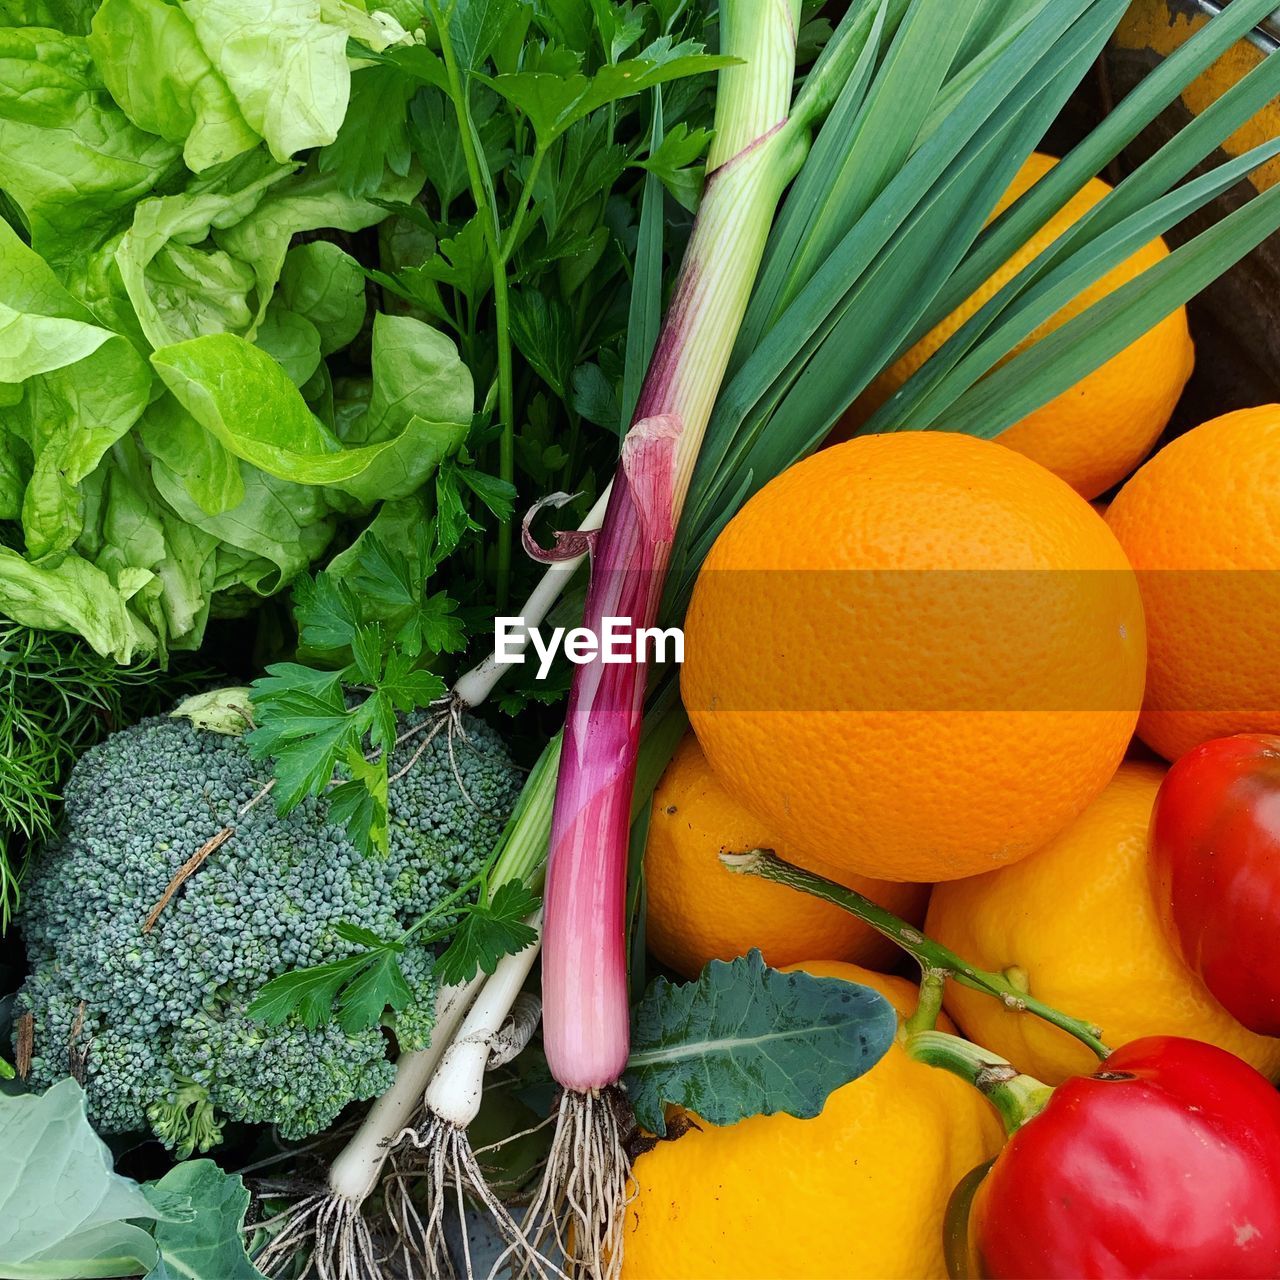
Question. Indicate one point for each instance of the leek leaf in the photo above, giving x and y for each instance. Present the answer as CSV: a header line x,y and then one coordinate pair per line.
x,y
1088,340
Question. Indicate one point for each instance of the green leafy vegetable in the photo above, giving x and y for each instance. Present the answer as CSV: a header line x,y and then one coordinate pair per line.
x,y
322,282
155,67
243,397
489,931
203,392
555,100
64,1214
322,736
745,1040
75,192
313,994
210,1243
673,160
286,69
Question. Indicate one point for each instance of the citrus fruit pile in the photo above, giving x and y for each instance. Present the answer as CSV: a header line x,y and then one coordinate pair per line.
x,y
924,666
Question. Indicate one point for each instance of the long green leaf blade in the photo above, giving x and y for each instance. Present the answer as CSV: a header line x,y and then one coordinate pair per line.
x,y
1026,216
815,190
1066,355
881,135
1039,292
644,316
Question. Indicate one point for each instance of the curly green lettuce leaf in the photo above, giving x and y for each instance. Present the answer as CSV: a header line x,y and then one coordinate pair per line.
x,y
238,393
379,29
243,398
267,539
210,475
292,341
421,403
74,596
286,68
325,284
159,73
307,201
182,284
69,157
74,389
416,371
135,534
70,16
207,259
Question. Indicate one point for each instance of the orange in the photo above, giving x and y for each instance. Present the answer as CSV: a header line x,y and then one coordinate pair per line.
x,y
1201,524
914,656
699,911
857,1192
1095,433
1077,924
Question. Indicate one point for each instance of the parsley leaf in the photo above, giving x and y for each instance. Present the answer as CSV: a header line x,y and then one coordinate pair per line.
x,y
332,731
380,985
355,990
488,932
553,102
327,612
374,135
308,993
674,161
304,725
360,805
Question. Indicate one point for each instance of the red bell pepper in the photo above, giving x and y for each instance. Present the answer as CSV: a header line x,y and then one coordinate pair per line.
x,y
1166,1162
1215,867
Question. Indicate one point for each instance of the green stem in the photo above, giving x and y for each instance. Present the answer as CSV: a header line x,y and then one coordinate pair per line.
x,y
933,983
569,469
932,956
482,195
522,206
507,416
522,848
1017,1097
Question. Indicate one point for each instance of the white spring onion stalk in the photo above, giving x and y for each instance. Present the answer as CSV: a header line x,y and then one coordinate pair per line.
x,y
439,1145
436,1143
471,689
753,157
331,1223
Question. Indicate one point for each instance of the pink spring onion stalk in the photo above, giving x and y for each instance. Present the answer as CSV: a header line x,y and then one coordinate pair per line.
x,y
584,981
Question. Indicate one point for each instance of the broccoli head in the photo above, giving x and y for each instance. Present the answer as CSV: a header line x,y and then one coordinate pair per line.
x,y
158,1019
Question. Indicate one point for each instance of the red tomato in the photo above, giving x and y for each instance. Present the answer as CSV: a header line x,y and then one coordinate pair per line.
x,y
1215,867
1166,1162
